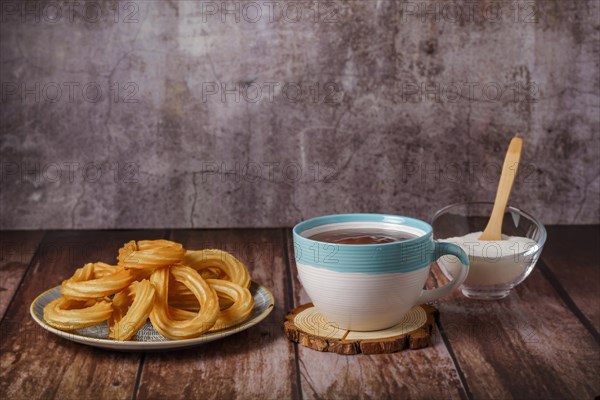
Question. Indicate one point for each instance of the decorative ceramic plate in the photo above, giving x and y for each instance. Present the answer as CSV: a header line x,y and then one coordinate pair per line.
x,y
148,338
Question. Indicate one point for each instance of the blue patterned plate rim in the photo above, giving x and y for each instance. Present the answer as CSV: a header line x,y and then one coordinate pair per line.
x,y
264,303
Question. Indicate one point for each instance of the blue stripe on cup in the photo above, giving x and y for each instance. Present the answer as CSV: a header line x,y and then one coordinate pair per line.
x,y
405,256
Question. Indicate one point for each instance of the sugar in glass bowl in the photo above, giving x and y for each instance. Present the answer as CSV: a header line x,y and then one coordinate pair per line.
x,y
495,266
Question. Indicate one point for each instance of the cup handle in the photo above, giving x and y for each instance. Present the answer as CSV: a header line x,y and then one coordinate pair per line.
x,y
442,249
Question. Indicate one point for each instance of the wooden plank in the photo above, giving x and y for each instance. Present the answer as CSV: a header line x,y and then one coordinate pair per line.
x,y
571,254
16,251
38,364
528,345
423,373
256,363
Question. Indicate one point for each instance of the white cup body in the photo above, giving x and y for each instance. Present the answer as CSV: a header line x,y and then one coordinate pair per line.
x,y
362,302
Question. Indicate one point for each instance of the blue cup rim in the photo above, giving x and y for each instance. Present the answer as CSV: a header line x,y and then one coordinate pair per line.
x,y
363,217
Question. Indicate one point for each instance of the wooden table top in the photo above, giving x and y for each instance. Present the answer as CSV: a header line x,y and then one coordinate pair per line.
x,y
541,342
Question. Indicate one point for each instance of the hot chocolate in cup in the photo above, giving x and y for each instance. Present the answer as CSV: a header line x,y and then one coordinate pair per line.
x,y
364,272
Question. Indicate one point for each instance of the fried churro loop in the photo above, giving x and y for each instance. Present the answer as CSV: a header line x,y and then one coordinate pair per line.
x,y
153,280
243,302
161,317
204,259
131,309
102,269
150,254
181,297
68,315
82,284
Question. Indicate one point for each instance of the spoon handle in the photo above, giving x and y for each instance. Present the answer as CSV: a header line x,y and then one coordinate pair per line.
x,y
493,230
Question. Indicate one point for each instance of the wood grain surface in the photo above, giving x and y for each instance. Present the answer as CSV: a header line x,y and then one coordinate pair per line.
x,y
540,343
523,344
16,251
572,255
38,364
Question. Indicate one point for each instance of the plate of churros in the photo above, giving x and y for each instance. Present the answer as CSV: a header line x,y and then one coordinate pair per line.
x,y
158,296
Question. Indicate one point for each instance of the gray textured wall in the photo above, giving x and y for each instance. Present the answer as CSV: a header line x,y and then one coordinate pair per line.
x,y
383,106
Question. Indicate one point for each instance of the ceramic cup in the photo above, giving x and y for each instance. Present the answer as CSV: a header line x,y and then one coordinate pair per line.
x,y
368,287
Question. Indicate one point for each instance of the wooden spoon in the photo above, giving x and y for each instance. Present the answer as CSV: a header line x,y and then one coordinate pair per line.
x,y
493,230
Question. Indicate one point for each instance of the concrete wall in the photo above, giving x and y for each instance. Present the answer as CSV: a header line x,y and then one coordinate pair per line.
x,y
182,114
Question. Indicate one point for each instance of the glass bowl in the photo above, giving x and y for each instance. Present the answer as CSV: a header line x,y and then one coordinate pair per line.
x,y
495,266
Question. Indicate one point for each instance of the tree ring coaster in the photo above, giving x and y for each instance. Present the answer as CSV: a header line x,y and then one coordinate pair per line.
x,y
305,325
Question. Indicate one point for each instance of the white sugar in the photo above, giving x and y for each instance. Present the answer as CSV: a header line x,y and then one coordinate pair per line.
x,y
492,262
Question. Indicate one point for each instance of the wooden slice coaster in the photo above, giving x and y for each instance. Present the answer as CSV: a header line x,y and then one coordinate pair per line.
x,y
307,326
